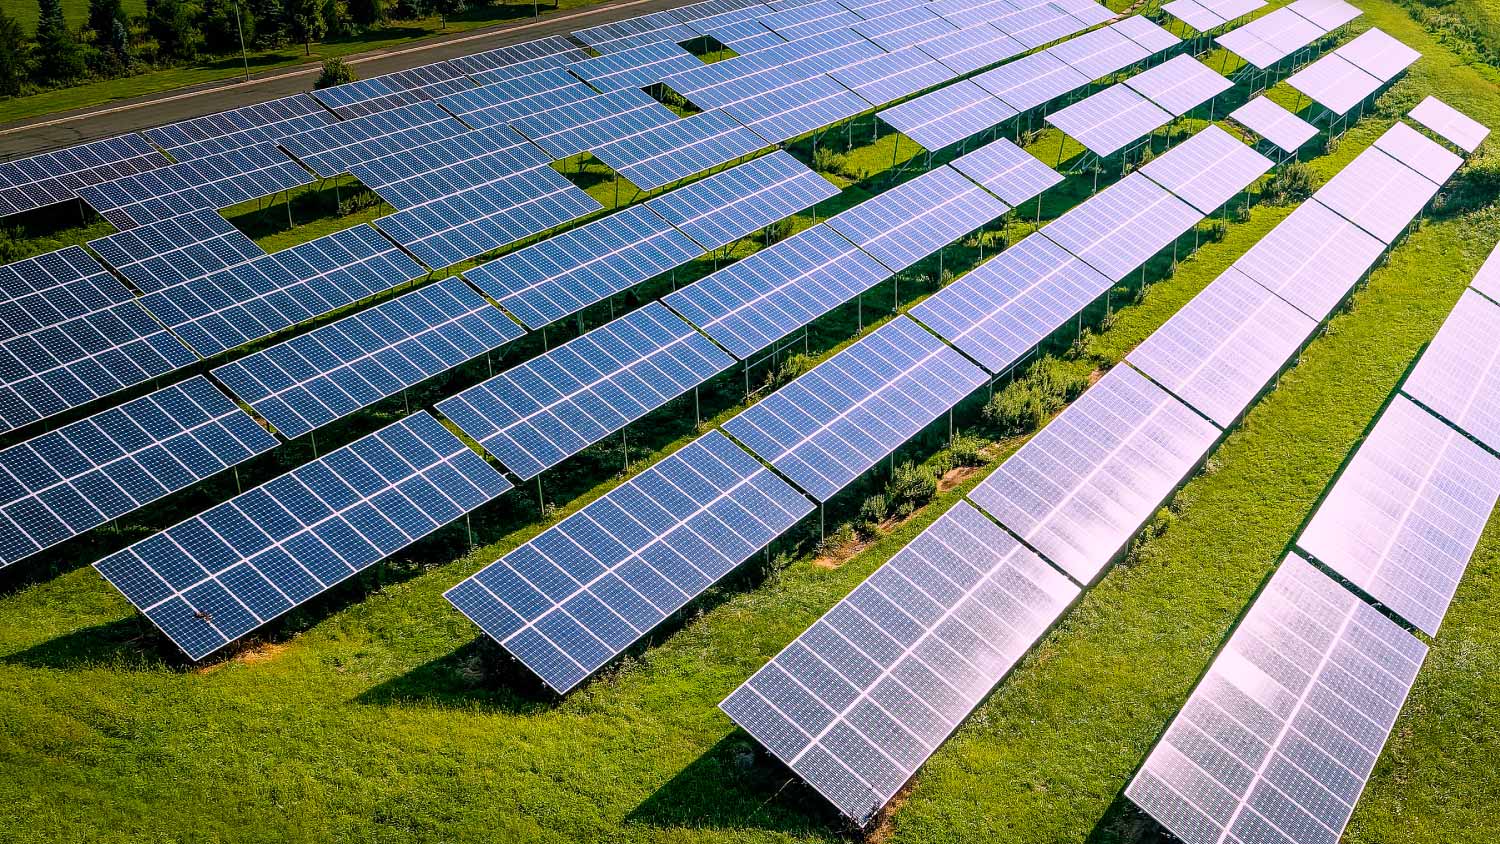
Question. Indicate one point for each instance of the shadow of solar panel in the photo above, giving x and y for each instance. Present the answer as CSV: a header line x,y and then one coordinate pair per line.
x,y
1118,229
1334,84
567,272
71,479
1274,123
540,413
553,51
215,181
758,300
53,177
311,380
796,109
1006,306
862,698
809,19
1179,84
69,334
240,127
1405,515
1377,193
636,67
1452,125
905,224
673,151
941,118
498,103
1084,485
971,48
442,168
736,202
839,419
1457,376
1419,152
1208,169
331,150
1110,120
1007,171
578,127
1099,53
1311,259
882,79
1224,346
215,577
578,595
1277,740
1031,81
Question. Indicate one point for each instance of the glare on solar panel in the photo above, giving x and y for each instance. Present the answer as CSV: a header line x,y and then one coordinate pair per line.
x,y
905,224
1454,126
950,114
1099,53
1456,377
1180,84
1334,83
1194,15
1274,123
1208,169
1118,229
736,202
673,151
1327,14
1311,259
1377,193
1007,171
1147,33
1419,152
1268,39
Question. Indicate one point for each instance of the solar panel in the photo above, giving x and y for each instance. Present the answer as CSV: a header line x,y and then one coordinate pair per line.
x,y
1034,26
327,374
1270,38
733,203
1457,373
1099,53
809,19
840,418
950,114
971,12
890,77
1418,152
550,408
498,103
433,80
1378,54
170,252
658,27
1277,740
1311,259
1031,81
796,109
1334,83
1148,33
1208,169
1110,120
69,334
1453,125
1007,171
862,698
1487,280
757,300
1118,229
742,36
580,126
1274,123
1179,84
442,168
635,67
1081,488
575,597
522,59
240,127
1224,346
71,479
567,272
910,25
215,181
1086,12
972,48
674,151
1194,15
368,96
1003,308
332,150
53,177
759,74
470,223
1327,14
905,224
215,577
1377,193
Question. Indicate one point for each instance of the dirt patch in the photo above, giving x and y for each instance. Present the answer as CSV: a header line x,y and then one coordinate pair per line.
x,y
955,476
250,655
882,830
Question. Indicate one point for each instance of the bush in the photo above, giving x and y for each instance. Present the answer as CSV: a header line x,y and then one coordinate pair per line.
x,y
791,367
1028,402
335,72
826,160
911,486
1291,184
841,538
1217,231
1477,184
967,450
871,513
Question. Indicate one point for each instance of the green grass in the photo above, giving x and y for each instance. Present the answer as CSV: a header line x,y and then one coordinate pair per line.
x,y
379,714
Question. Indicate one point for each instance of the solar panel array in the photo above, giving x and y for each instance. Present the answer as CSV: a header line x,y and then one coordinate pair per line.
x,y
1118,229
1277,740
1311,259
580,126
891,76
1452,125
1378,193
905,224
634,67
1179,85
1207,15
834,422
214,181
658,27
797,108
52,177
215,577
1378,54
671,152
332,150
1031,81
498,103
1274,123
58,485
860,700
442,168
1456,377
903,27
807,19
1334,83
536,415
241,127
733,203
1007,171
1110,120
567,272
948,115
1422,154
367,96
529,57
972,48
1208,169
329,373
573,598
1272,37
1099,53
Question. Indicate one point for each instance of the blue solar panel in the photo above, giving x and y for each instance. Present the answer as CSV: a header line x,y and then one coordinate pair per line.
x,y
215,181
311,380
890,77
736,202
1110,120
240,127
1179,85
499,103
759,73
70,333
521,59
170,252
1099,53
332,150
673,151
968,13
911,25
1031,80
215,577
367,96
741,36
755,301
573,598
1121,227
944,117
443,168
567,272
53,177
635,67
68,480
1007,171
972,48
544,411
798,108
907,223
809,19
579,127
1041,24
836,421
658,27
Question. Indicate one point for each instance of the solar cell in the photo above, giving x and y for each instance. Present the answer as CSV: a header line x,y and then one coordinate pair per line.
x,y
578,595
872,9
1148,33
1118,229
1179,84
433,80
1208,169
1327,14
733,203
240,127
890,77
332,150
567,272
905,224
1007,171
1081,488
522,59
1224,346
1277,740
1110,120
862,698
368,96
1418,152
840,418
69,334
759,74
500,102
741,36
1311,259
215,577
580,126
215,181
1031,81
1099,53
634,67
442,168
911,25
755,301
1377,193
1378,54
1006,306
71,479
1451,124
311,380
53,177
544,411
673,151
1457,375
972,48
1274,123
950,114
809,19
1334,83
169,252
796,109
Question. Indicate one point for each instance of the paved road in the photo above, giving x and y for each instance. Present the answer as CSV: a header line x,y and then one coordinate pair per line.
x,y
67,128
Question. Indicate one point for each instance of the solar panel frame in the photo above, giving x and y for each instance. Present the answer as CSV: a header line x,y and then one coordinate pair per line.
x,y
1274,123
1110,120
733,203
1179,84
1377,193
1118,229
1334,84
674,151
1312,259
904,224
1452,125
241,127
1208,169
941,118
53,177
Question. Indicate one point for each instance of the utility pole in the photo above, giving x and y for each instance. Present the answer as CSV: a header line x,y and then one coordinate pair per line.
x,y
244,57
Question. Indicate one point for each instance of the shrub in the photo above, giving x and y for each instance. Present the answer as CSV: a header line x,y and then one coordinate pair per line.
x,y
871,513
1477,185
843,537
1029,401
911,486
1217,231
335,72
967,450
1292,183
826,160
791,367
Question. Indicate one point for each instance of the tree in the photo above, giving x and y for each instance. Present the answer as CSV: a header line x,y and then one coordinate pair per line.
x,y
306,21
59,59
367,13
14,55
335,72
102,17
222,26
270,22
174,25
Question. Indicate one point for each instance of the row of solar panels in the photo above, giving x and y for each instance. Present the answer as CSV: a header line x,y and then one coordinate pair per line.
x,y
858,702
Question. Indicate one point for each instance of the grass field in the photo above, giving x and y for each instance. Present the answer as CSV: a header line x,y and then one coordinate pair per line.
x,y
378,714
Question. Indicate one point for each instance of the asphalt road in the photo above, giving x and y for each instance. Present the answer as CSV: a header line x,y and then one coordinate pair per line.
x,y
63,129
